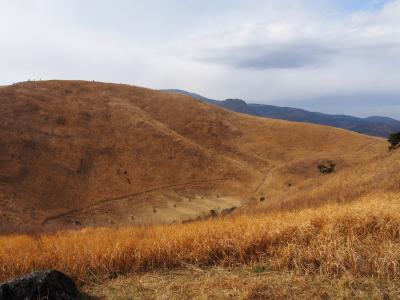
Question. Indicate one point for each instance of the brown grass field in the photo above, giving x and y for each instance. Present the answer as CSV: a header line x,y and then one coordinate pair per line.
x,y
356,241
89,153
250,282
99,181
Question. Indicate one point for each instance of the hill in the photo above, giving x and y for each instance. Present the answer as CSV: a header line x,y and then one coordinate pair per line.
x,y
78,153
86,154
375,126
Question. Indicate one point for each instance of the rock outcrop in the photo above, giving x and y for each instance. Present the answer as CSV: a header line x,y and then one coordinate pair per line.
x,y
51,285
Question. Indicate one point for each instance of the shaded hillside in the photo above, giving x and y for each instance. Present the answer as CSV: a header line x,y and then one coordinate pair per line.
x,y
87,153
375,126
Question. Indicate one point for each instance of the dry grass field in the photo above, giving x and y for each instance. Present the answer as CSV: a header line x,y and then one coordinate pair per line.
x,y
248,282
101,180
88,154
357,241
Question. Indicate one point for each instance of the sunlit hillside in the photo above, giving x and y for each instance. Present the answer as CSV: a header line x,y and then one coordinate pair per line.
x,y
173,150
97,179
76,153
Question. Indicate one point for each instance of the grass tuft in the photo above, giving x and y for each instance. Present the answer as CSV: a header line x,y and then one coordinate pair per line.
x,y
360,239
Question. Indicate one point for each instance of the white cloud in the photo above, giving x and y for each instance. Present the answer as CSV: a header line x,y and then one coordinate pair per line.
x,y
266,50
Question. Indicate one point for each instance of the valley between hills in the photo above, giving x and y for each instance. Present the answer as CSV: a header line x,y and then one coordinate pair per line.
x,y
103,181
82,153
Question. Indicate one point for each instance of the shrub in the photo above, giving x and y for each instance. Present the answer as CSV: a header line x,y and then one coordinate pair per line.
x,y
394,140
330,168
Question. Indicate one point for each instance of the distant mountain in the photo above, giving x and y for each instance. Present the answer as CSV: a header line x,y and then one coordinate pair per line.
x,y
236,105
375,125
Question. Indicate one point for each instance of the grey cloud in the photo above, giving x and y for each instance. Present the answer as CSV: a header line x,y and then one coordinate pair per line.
x,y
262,57
273,50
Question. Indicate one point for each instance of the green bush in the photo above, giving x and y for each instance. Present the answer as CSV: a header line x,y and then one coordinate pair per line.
x,y
394,140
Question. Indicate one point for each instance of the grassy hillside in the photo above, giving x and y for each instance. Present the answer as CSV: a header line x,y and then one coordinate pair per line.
x,y
78,153
108,160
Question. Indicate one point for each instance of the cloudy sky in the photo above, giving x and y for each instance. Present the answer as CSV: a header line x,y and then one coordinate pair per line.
x,y
335,56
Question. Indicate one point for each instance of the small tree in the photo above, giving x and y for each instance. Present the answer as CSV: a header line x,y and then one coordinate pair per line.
x,y
394,140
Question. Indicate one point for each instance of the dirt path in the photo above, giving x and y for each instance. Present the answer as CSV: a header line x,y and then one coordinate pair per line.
x,y
132,195
165,187
363,147
264,179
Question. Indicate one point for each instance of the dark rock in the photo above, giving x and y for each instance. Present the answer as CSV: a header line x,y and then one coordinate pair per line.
x,y
48,285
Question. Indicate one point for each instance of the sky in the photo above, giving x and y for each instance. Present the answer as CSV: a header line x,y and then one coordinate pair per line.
x,y
331,56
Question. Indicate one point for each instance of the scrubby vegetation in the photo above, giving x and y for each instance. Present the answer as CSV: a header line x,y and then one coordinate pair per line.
x,y
394,140
327,169
359,239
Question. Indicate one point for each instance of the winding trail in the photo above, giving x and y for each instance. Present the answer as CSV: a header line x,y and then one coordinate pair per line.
x,y
127,196
363,147
164,187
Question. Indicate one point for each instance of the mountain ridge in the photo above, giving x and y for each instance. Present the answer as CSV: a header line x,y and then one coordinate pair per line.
x,y
379,126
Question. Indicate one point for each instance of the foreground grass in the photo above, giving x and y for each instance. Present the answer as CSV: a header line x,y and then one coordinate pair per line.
x,y
250,282
361,240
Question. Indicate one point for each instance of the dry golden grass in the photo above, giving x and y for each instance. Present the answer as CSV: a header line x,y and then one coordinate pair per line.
x,y
95,153
247,282
122,154
360,239
310,189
